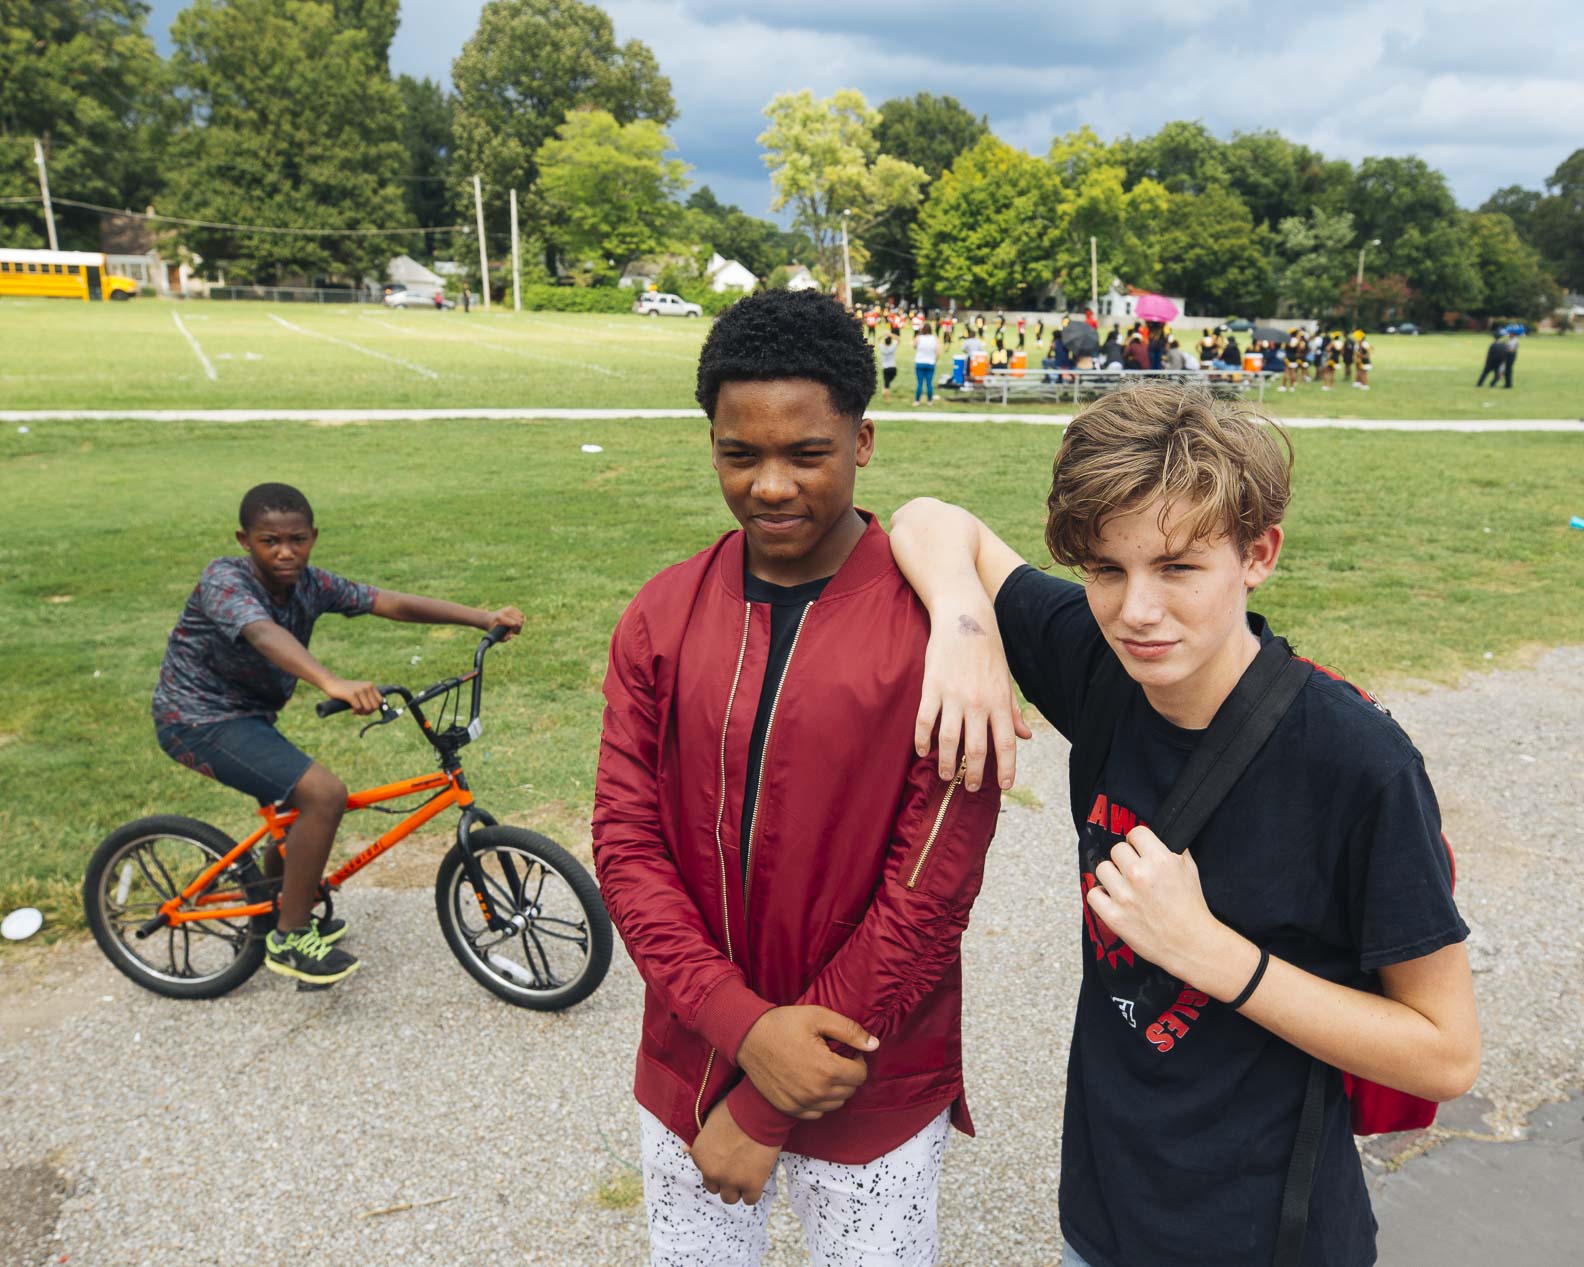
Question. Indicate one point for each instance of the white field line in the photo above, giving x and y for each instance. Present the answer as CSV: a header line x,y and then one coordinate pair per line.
x,y
1572,426
378,356
497,347
208,367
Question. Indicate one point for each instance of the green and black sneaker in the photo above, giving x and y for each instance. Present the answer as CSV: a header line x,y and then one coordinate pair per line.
x,y
330,930
304,954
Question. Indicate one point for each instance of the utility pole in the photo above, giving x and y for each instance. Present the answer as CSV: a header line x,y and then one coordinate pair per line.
x,y
49,210
516,271
846,264
478,215
1094,280
1358,282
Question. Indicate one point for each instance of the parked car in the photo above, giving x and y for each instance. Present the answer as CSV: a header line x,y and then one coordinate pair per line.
x,y
660,304
412,299
1407,327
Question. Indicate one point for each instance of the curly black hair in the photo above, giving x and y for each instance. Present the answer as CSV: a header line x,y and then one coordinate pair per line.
x,y
263,498
789,334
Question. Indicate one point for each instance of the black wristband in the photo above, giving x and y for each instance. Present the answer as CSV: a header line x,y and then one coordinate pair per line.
x,y
1253,982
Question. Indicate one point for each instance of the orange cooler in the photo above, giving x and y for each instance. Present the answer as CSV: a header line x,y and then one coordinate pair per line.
x,y
1019,364
978,365
1253,362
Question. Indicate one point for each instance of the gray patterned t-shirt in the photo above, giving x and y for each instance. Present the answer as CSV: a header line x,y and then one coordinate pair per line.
x,y
211,673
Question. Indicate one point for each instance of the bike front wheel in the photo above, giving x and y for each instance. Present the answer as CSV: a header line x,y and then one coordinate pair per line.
x,y
561,951
142,865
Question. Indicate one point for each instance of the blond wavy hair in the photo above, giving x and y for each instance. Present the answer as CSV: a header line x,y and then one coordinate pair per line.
x,y
1225,461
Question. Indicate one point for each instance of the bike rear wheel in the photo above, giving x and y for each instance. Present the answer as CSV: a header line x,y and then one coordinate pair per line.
x,y
140,866
562,951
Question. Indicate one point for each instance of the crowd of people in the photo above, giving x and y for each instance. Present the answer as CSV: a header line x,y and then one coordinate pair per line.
x,y
896,319
1298,357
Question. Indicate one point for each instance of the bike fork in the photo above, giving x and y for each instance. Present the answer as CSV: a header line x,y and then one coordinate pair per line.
x,y
494,919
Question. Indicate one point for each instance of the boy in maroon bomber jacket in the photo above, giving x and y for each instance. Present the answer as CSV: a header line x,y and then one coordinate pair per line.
x,y
791,877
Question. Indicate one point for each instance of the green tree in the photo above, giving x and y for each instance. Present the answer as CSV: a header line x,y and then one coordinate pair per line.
x,y
1213,254
1183,158
988,232
759,245
1391,194
929,132
288,122
1315,250
82,76
1075,154
1407,204
1126,227
608,190
824,161
426,137
377,19
1439,262
1558,222
529,62
1512,281
1518,205
1278,178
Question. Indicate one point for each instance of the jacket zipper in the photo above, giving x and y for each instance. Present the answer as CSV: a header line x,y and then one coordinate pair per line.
x,y
764,759
940,817
720,849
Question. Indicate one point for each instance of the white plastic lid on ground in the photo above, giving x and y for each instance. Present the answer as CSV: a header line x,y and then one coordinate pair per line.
x,y
22,923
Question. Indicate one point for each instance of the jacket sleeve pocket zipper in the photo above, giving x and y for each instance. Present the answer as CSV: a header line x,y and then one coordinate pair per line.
x,y
698,1100
940,819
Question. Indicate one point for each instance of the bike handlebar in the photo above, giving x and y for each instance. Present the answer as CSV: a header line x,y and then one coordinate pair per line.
x,y
330,707
497,635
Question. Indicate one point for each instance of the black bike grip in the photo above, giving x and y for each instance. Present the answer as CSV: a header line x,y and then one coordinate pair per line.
x,y
497,634
330,707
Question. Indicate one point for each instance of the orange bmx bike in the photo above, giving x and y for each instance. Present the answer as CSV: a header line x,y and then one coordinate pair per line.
x,y
182,909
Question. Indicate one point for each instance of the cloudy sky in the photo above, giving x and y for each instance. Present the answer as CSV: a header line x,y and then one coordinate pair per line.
x,y
1490,93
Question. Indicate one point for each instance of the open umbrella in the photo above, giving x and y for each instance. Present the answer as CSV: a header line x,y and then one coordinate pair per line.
x,y
1155,308
1272,333
1240,325
1080,338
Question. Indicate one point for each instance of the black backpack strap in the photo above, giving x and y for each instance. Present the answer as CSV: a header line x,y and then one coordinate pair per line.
x,y
1104,696
1242,724
1300,1171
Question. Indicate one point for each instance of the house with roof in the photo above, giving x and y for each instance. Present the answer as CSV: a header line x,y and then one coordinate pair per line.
x,y
409,273
1118,302
799,278
725,274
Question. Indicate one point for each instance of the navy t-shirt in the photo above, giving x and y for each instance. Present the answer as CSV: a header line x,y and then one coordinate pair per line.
x,y
1180,1113
210,673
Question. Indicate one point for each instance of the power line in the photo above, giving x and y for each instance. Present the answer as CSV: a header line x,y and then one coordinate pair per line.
x,y
242,228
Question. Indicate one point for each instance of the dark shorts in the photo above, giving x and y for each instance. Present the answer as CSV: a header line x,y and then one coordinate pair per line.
x,y
245,753
890,374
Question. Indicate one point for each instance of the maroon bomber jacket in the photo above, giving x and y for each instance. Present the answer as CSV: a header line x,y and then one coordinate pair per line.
x,y
863,866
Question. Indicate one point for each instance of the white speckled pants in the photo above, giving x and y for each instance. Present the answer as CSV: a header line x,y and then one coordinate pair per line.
x,y
878,1215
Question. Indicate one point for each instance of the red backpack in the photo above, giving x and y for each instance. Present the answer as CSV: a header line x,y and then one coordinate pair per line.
x,y
1378,1110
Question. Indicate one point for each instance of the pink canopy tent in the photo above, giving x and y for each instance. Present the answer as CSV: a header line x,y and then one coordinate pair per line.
x,y
1156,308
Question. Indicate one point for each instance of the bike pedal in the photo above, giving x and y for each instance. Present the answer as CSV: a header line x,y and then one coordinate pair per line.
x,y
304,988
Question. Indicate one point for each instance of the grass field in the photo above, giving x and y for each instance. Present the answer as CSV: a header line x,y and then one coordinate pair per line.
x,y
1409,556
61,355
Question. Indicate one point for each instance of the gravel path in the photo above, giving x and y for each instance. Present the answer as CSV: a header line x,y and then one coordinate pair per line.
x,y
271,1126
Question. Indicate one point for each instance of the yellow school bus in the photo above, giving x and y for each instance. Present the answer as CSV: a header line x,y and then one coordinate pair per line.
x,y
60,275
